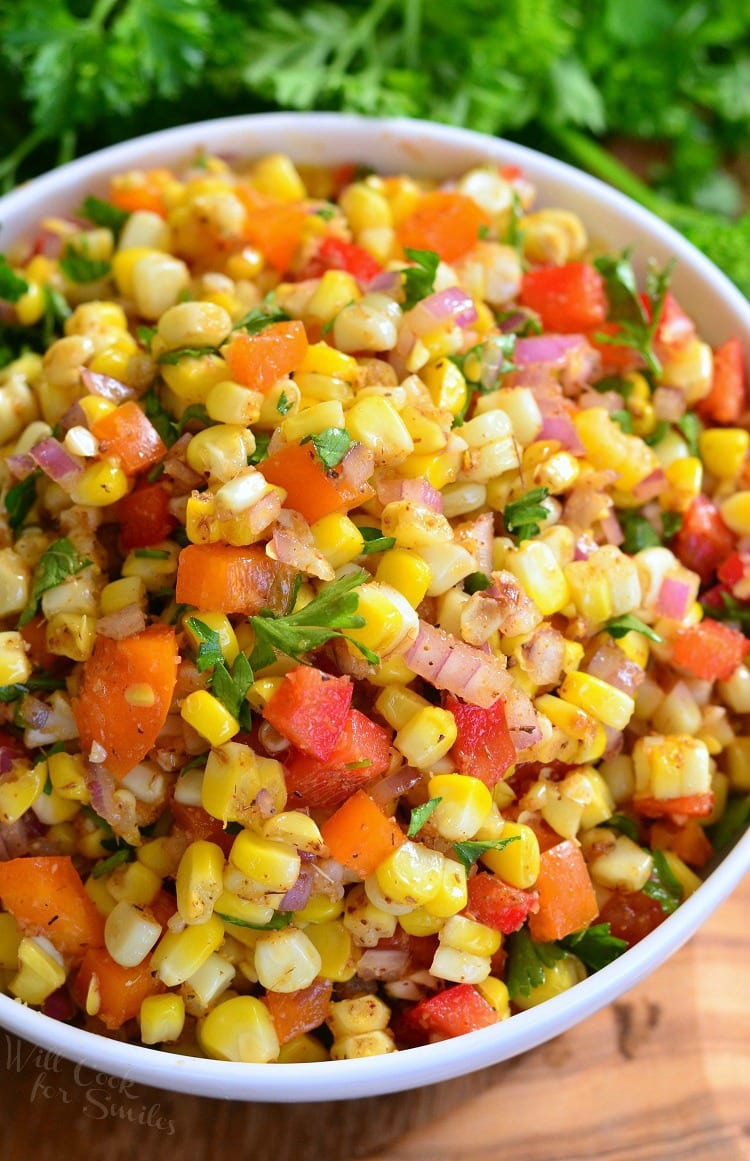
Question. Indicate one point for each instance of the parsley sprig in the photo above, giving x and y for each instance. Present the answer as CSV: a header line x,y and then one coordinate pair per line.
x,y
522,517
419,816
55,565
331,444
627,623
663,886
419,279
638,324
229,686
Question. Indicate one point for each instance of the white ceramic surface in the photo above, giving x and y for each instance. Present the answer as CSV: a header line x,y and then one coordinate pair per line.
x,y
719,311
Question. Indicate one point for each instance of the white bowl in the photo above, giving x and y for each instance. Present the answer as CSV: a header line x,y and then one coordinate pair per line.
x,y
719,310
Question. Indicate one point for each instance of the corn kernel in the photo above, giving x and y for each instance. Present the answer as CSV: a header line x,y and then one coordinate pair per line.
x,y
234,910
274,864
128,590
239,1029
562,975
673,766
605,703
410,874
40,971
735,512
366,923
420,922
625,866
99,485
723,450
199,881
451,895
337,538
407,572
161,1018
535,566
234,776
460,967
427,737
390,621
464,934
399,705
10,939
206,714
129,934
465,804
178,955
134,883
358,1015
334,945
21,789
286,960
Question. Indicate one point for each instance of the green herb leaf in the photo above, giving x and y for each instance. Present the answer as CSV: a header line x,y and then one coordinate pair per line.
x,y
104,214
145,334
260,317
657,435
296,634
194,762
595,946
671,523
262,440
420,814
476,582
160,418
521,517
623,825
79,268
326,213
283,404
419,279
469,852
209,651
737,612
638,531
732,823
151,553
375,541
123,854
231,689
623,419
332,444
691,428
56,564
196,411
627,623
627,309
527,962
12,286
20,499
172,358
279,920
663,886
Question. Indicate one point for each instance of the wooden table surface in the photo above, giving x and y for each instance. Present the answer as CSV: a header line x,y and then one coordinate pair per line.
x,y
662,1074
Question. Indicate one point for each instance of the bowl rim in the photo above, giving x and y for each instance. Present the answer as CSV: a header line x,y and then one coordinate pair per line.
x,y
430,1064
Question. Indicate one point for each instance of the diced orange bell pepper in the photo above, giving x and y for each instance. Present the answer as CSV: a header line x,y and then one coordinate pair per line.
x,y
710,650
567,901
147,194
359,835
686,805
226,579
294,1013
727,400
444,221
688,840
127,435
121,990
103,713
310,489
274,228
46,896
260,360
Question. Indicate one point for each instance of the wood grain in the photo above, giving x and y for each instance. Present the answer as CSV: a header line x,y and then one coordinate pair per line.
x,y
662,1075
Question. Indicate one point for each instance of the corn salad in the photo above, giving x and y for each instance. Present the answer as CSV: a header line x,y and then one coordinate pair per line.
x,y
374,574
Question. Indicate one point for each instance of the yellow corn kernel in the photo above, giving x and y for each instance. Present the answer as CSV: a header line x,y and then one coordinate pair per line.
x,y
239,1029
375,422
320,909
410,874
464,934
577,725
735,512
98,890
162,1018
261,692
220,452
218,623
337,538
573,656
445,384
233,777
562,975
465,804
206,714
672,766
334,945
451,896
179,954
322,359
723,450
14,582
420,922
589,591
14,664
272,863
231,403
31,305
689,367
40,971
276,176
685,478
100,484
535,566
128,590
427,737
460,967
22,787
407,572
296,829
286,960
10,939
129,934
413,526
686,877
160,855
238,912
335,290
53,810
192,379
605,703
496,994
199,881
518,862
134,883
313,420
358,1015
392,671
622,866
363,1046
635,647
304,1049
366,923
390,621
738,763
398,705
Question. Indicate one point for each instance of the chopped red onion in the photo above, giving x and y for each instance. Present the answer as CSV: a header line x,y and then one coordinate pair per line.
x,y
615,741
394,785
669,404
521,717
298,894
552,349
650,486
50,455
586,546
357,465
35,712
610,664
562,429
386,282
675,598
123,623
116,807
452,305
106,386
383,964
611,529
417,491
59,1006
477,536
75,416
450,664
7,755
20,466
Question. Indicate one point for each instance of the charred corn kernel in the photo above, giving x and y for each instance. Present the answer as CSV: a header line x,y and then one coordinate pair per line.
x,y
410,874
40,971
239,1029
14,582
577,725
194,324
179,954
313,420
296,829
427,737
238,912
449,564
199,881
335,291
363,1046
204,987
464,934
399,705
391,623
686,877
134,883
723,450
605,703
518,862
420,922
220,452
553,237
304,1049
233,778
565,973
465,804
99,485
334,945
685,478
231,403
161,1018
357,1015
261,692
446,385
322,359
14,664
451,895
218,623
535,566
10,938
671,767
129,934
735,512
375,422
460,967
272,863
206,714
689,367
20,789
496,994
320,909
161,855
337,538
737,757
407,572
366,923
415,527
625,866
286,960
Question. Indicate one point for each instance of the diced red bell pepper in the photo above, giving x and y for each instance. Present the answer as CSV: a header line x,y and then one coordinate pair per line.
x,y
336,254
128,435
631,916
687,805
310,709
712,651
567,902
704,540
675,328
499,905
567,298
453,1012
727,399
197,823
483,747
361,754
734,569
145,517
